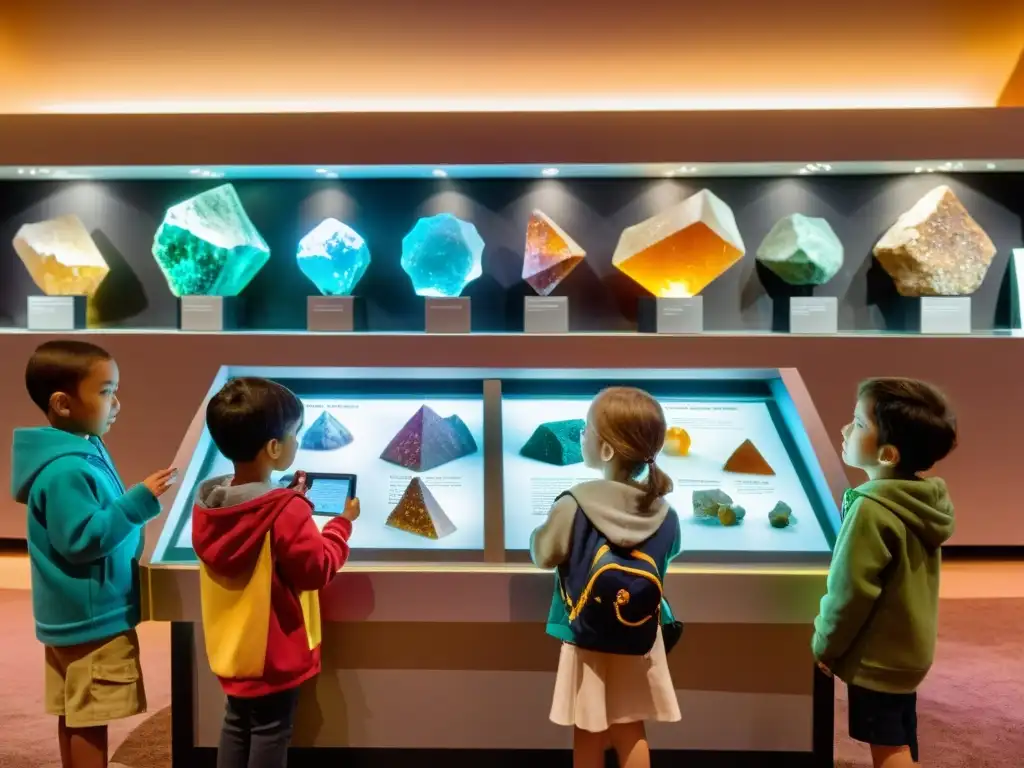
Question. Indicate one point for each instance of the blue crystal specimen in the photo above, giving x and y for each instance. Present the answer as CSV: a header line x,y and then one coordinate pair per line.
x,y
334,256
206,245
441,254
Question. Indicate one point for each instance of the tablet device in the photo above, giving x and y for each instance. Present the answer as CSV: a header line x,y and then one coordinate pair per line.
x,y
328,491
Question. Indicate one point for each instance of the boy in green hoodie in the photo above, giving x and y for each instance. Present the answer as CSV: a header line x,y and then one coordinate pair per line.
x,y
877,624
84,542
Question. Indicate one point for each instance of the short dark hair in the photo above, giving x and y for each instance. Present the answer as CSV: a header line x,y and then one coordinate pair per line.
x,y
914,417
60,366
248,413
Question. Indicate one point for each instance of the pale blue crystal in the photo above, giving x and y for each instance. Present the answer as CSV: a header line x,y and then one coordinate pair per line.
x,y
207,246
441,254
802,250
334,256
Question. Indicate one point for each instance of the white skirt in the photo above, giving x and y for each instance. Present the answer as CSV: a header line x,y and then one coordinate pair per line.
x,y
594,690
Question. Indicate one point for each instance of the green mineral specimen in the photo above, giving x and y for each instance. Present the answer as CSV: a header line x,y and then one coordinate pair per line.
x,y
802,250
781,516
556,442
716,506
206,245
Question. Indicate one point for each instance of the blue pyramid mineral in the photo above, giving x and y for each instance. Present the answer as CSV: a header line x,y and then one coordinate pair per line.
x,y
206,245
441,254
326,434
334,257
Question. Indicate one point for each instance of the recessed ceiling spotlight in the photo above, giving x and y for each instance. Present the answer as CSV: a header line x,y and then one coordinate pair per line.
x,y
322,171
687,169
21,171
919,169
549,172
990,166
196,171
332,175
670,174
440,173
804,171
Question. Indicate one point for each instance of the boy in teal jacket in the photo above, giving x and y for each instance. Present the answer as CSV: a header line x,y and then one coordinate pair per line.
x,y
877,625
84,542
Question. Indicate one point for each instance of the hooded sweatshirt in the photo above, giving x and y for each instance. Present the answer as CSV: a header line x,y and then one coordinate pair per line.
x,y
612,508
84,535
263,561
877,624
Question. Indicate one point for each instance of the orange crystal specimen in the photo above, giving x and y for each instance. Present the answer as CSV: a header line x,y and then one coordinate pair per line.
x,y
678,253
550,254
677,441
748,460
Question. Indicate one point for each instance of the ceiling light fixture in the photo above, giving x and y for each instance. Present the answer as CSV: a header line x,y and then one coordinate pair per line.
x,y
440,173
549,172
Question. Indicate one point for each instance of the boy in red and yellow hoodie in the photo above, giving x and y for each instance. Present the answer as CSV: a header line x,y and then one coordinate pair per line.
x,y
263,561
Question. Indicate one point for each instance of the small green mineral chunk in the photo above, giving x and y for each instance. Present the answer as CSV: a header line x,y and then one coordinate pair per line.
x,y
781,516
802,250
556,442
707,503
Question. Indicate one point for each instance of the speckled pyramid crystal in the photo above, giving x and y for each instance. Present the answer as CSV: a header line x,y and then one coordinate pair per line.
x,y
206,245
334,257
418,512
427,441
326,434
678,253
550,254
802,250
441,254
936,248
747,460
556,442
61,257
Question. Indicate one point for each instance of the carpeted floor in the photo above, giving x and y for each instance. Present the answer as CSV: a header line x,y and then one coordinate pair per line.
x,y
971,706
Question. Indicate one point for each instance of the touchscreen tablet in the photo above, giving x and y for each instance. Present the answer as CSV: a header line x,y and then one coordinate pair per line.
x,y
329,492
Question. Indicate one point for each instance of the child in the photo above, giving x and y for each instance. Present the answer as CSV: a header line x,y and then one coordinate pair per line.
x,y
84,543
263,561
876,628
607,696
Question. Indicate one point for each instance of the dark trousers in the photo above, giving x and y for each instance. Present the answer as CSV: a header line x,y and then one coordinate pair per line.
x,y
257,732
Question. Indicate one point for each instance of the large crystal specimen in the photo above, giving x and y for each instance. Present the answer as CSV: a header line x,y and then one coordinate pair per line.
x,y
206,245
679,252
550,254
441,254
802,250
326,434
61,257
427,441
556,442
936,248
334,257
748,460
716,506
418,512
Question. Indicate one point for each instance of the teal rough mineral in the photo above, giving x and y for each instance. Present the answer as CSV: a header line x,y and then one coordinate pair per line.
x,y
334,257
802,250
206,245
716,506
781,515
441,254
556,442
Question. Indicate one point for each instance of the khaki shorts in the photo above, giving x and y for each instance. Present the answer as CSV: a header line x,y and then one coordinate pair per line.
x,y
94,683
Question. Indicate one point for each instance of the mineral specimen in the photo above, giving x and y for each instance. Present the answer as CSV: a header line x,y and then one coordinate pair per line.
x,y
61,257
731,515
679,252
326,434
427,441
556,442
747,460
441,254
550,254
781,515
715,505
677,441
206,245
936,248
418,512
334,257
802,250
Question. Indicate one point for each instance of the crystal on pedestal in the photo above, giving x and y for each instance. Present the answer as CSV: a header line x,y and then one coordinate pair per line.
x,y
61,257
676,254
441,254
334,257
550,254
206,245
802,250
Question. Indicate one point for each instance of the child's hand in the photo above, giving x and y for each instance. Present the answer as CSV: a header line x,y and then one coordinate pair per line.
x,y
824,669
352,511
159,482
298,482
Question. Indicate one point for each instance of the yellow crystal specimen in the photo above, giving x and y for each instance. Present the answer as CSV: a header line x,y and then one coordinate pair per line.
x,y
677,441
676,254
61,257
419,513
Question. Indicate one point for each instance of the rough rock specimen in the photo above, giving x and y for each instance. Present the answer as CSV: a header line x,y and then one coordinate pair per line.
x,y
715,505
206,245
677,441
802,250
334,257
781,516
325,434
427,441
418,512
747,460
61,257
441,254
556,442
936,248
679,252
550,254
